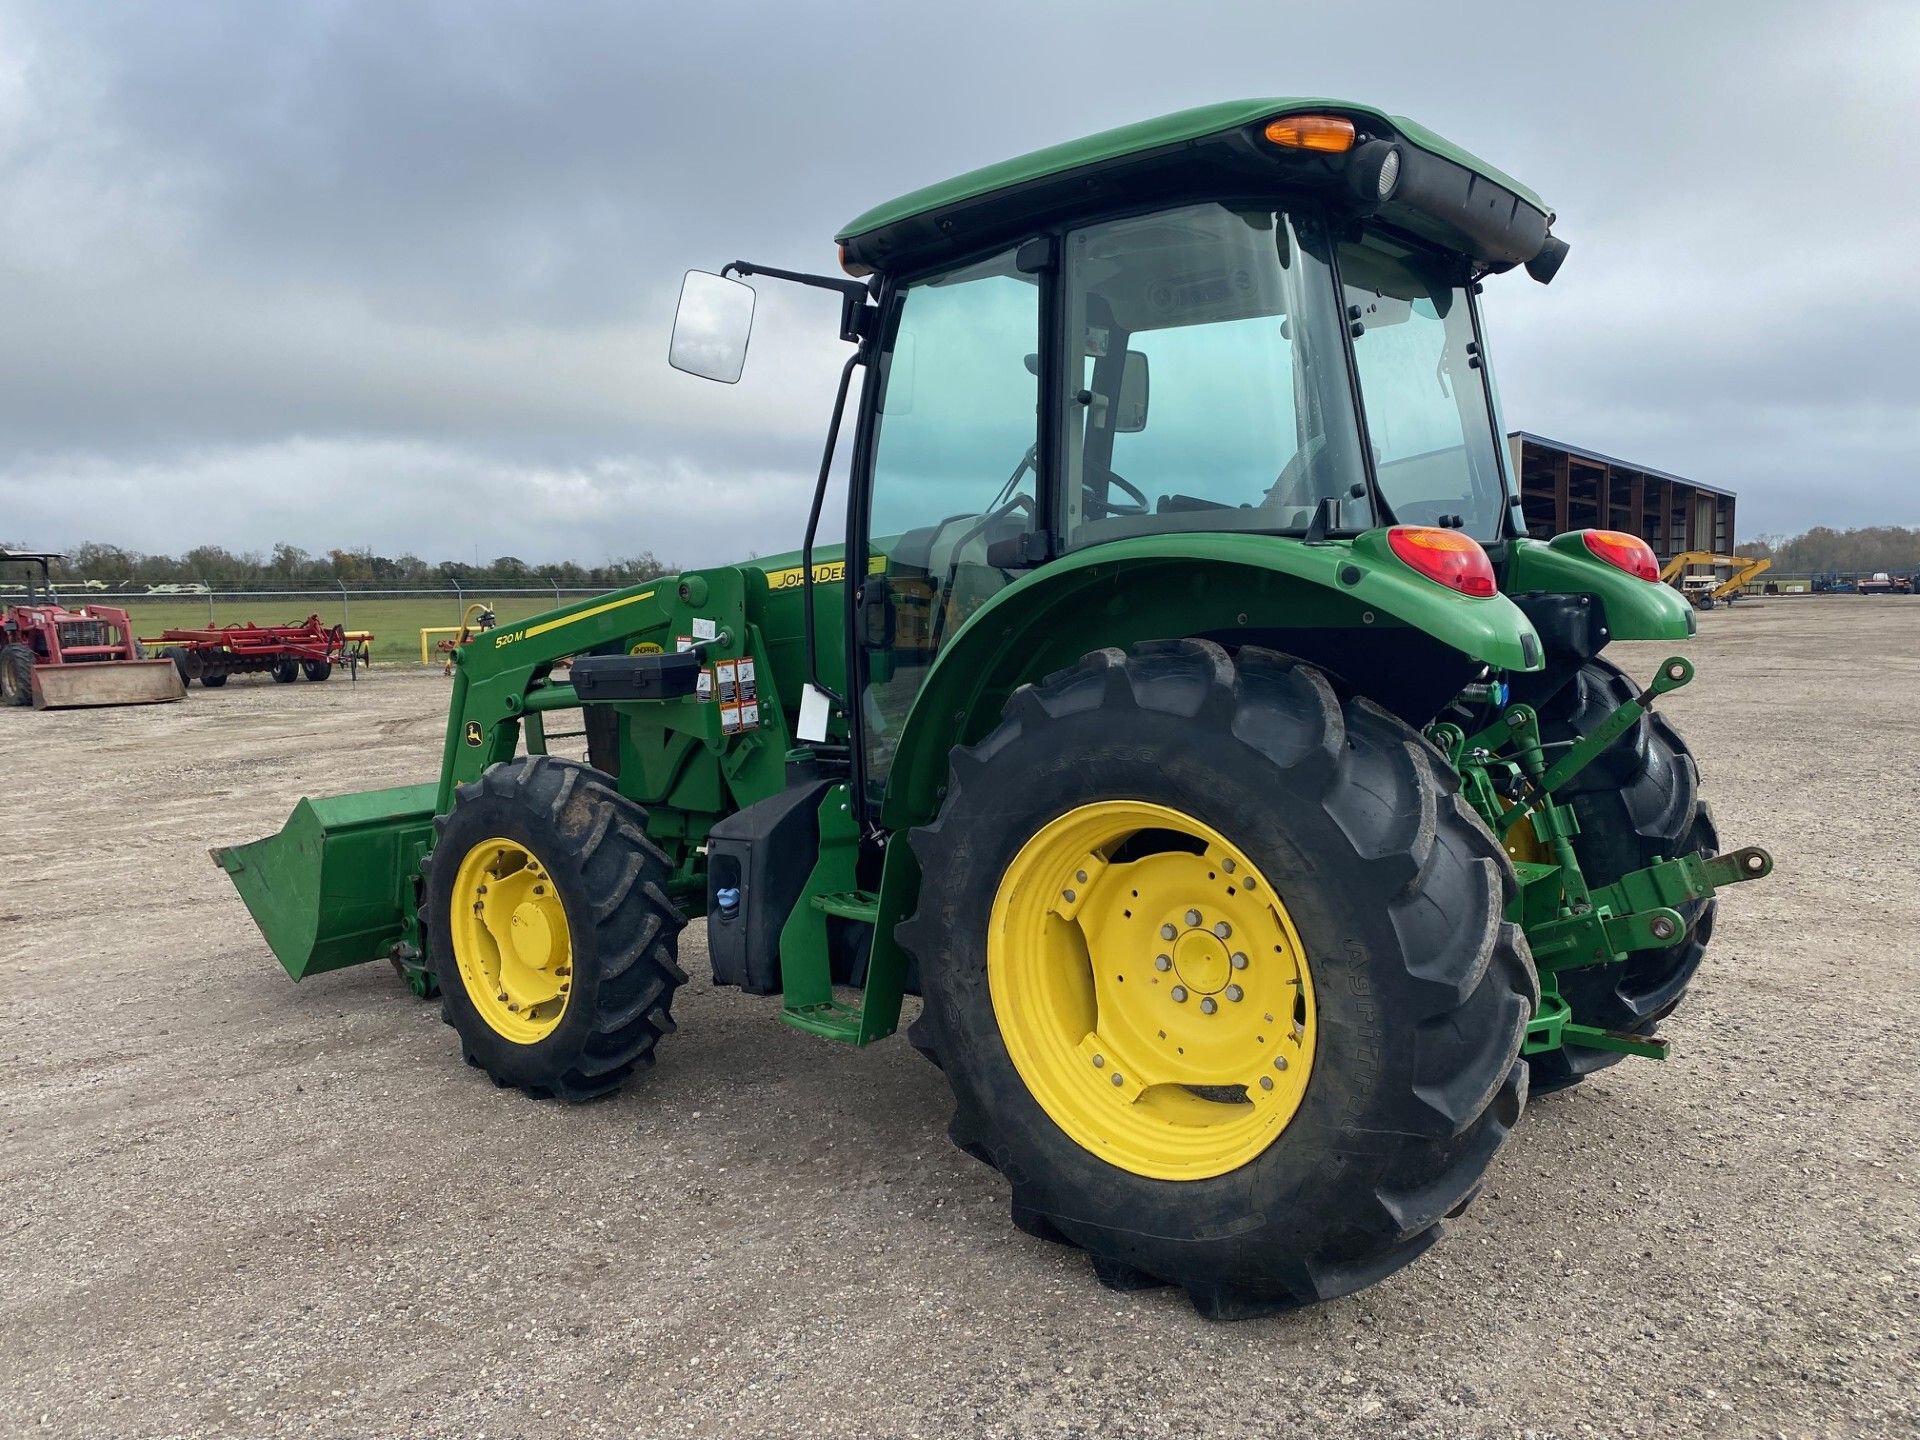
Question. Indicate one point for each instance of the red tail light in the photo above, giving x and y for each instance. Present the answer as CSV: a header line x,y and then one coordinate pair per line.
x,y
1624,552
1446,557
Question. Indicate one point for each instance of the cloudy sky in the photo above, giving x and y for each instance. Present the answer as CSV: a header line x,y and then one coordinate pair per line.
x,y
400,274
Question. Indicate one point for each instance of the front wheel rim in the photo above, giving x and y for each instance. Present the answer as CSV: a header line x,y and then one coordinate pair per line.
x,y
1152,990
511,940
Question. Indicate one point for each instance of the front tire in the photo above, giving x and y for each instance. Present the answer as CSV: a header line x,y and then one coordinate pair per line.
x,y
550,930
16,675
1416,993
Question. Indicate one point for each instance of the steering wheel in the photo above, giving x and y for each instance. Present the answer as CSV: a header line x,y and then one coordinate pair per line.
x,y
1092,498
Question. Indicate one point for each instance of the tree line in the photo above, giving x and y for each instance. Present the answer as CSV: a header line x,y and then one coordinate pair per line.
x,y
289,567
1892,548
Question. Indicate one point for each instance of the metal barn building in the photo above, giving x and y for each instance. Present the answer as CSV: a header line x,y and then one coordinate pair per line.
x,y
1563,487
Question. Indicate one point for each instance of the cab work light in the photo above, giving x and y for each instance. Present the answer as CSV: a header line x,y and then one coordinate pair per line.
x,y
1328,134
1446,557
1624,552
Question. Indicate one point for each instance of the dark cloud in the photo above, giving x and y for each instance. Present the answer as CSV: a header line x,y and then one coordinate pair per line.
x,y
401,274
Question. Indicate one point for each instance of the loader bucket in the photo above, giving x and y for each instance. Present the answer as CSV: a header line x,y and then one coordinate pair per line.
x,y
335,886
106,682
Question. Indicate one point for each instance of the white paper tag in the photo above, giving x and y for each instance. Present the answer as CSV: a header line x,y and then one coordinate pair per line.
x,y
705,629
814,710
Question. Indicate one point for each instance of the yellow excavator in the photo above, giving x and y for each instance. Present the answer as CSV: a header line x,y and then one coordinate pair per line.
x,y
1703,592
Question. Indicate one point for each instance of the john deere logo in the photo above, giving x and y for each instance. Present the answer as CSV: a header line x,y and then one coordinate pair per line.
x,y
645,647
474,732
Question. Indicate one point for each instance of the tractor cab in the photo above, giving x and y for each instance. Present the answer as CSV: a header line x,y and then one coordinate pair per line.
x,y
1255,319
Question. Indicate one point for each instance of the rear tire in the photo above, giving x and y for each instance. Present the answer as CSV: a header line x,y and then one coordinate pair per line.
x,y
622,930
1421,991
182,662
317,670
16,674
1637,803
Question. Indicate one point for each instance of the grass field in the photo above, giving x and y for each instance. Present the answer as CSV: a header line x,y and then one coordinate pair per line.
x,y
395,622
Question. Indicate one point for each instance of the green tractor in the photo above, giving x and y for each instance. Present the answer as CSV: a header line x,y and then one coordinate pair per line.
x,y
1186,717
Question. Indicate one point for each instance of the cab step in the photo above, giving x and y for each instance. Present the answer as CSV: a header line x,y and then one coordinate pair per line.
x,y
850,905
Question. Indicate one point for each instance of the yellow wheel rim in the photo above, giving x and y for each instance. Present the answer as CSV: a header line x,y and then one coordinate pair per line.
x,y
1152,990
511,941
1526,848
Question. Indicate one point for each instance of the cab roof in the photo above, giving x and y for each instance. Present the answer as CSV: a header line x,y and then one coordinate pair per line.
x,y
1210,144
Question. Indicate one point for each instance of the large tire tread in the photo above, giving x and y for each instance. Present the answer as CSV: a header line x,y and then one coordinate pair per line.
x,y
635,932
1466,991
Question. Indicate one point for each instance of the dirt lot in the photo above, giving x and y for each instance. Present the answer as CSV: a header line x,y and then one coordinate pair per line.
x,y
233,1206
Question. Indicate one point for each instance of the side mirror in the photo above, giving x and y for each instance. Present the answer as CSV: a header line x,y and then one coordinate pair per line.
x,y
1131,416
711,327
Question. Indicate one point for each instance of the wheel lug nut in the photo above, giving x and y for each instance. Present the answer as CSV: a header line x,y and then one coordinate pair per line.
x,y
1228,866
1118,1078
1067,895
1098,1061
1179,994
1279,1062
1234,993
1193,917
1163,962
1266,1082
1239,960
1208,1005
1249,883
1081,876
1223,930
1167,932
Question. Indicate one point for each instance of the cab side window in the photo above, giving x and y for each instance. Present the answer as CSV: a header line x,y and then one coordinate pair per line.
x,y
953,476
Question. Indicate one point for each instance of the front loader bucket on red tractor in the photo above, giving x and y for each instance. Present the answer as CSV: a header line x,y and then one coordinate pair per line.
x,y
106,682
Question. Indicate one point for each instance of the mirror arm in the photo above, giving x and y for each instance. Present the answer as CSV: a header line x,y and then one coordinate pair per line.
x,y
813,527
853,293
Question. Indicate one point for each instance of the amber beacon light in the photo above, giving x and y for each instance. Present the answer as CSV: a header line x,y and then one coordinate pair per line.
x,y
1328,134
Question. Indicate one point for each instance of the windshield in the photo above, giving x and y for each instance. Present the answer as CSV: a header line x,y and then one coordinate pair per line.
x,y
1424,387
1207,389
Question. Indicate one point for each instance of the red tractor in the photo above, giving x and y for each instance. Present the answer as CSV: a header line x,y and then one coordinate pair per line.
x,y
52,657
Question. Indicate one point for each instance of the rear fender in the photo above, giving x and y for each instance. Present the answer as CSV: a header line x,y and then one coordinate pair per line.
x,y
1351,606
1631,608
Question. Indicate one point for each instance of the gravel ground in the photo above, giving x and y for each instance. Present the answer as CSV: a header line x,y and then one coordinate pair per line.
x,y
233,1206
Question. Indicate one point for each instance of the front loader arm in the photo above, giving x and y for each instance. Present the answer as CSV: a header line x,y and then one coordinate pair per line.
x,y
339,885
501,676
